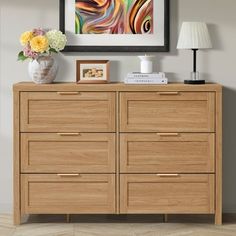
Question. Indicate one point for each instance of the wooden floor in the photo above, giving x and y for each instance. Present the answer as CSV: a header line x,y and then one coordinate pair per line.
x,y
48,225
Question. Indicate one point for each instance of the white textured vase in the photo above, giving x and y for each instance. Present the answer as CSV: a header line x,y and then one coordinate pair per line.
x,y
43,70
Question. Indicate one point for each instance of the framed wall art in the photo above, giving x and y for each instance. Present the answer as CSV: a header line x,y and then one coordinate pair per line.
x,y
92,71
115,25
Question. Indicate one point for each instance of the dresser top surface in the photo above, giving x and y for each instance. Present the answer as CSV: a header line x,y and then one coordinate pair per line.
x,y
72,86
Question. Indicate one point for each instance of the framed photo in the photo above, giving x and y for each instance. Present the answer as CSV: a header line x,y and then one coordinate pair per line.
x,y
115,25
92,71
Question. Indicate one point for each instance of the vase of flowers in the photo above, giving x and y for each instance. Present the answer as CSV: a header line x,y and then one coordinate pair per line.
x,y
38,46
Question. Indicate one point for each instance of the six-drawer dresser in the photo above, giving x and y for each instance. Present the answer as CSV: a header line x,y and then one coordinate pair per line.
x,y
117,149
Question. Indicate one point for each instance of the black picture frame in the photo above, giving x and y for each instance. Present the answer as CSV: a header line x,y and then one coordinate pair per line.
x,y
77,48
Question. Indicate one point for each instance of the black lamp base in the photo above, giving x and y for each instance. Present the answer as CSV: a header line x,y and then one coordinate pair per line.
x,y
194,81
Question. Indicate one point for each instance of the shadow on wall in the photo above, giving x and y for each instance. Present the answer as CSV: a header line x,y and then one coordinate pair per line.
x,y
229,149
63,68
174,31
216,39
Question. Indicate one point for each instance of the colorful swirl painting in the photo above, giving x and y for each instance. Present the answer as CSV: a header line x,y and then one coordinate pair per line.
x,y
114,16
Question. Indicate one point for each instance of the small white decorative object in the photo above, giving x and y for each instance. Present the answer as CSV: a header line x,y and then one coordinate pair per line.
x,y
146,64
43,70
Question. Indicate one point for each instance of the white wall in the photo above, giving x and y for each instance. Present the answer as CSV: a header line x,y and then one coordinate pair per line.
x,y
217,65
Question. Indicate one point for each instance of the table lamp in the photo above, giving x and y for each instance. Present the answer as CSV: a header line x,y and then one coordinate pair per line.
x,y
194,36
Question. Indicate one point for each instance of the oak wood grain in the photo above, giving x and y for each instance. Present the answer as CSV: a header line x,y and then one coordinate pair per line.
x,y
119,87
182,153
53,153
16,159
218,176
181,112
116,148
54,194
185,193
52,112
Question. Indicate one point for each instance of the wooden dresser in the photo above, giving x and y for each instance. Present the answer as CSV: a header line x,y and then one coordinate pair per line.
x,y
117,149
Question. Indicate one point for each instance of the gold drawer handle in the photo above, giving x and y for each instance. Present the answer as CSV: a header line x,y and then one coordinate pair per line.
x,y
68,93
168,134
168,175
168,93
68,175
68,134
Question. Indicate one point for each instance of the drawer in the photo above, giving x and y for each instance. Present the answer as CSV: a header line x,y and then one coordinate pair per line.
x,y
67,112
167,152
167,112
57,194
68,152
185,193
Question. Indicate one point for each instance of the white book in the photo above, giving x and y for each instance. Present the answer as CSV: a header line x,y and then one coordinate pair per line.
x,y
141,75
145,81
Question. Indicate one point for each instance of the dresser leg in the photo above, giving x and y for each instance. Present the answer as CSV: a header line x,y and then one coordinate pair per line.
x,y
17,218
68,218
218,218
165,218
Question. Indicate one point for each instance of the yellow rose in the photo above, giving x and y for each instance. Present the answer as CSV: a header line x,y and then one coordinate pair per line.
x,y
39,44
26,37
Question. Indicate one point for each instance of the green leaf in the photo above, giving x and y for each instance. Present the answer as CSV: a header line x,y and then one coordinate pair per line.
x,y
53,50
21,56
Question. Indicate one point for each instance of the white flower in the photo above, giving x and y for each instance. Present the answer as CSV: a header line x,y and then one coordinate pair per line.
x,y
57,40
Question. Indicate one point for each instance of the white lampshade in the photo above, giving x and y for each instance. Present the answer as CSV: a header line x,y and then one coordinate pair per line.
x,y
194,35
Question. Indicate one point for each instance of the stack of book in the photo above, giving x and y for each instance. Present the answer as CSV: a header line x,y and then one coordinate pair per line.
x,y
152,78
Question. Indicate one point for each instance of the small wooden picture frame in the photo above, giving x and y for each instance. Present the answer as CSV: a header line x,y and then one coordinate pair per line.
x,y
92,71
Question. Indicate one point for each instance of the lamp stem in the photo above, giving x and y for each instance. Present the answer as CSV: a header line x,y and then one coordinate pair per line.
x,y
194,60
